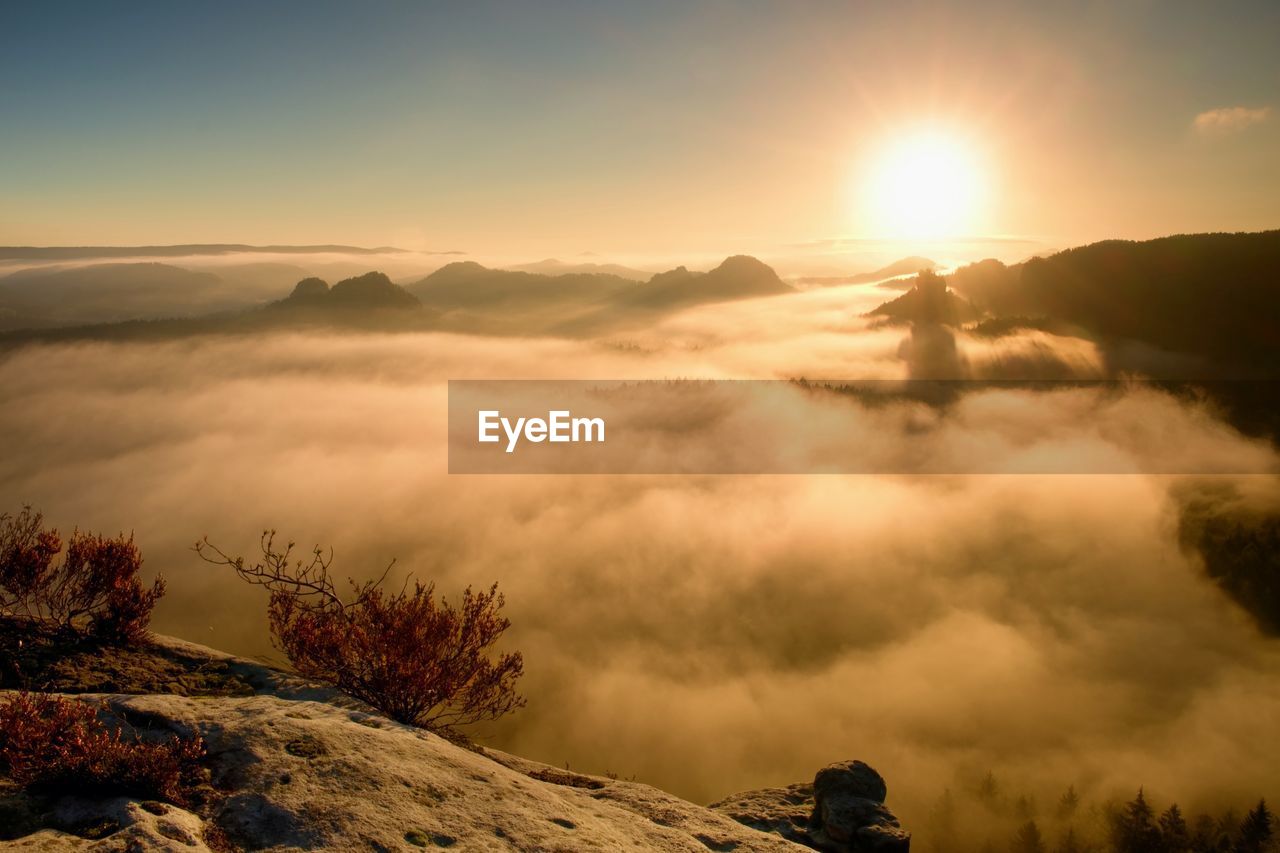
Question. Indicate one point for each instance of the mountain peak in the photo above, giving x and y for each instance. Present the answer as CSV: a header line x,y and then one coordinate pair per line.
x,y
469,267
371,290
310,288
744,264
737,277
743,275
928,301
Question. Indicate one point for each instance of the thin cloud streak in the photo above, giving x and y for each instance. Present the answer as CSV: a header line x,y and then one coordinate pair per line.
x,y
1229,120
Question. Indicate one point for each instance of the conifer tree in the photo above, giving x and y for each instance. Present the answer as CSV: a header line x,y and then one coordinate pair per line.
x,y
1070,842
1028,839
1205,835
1134,828
942,821
1068,803
1174,835
989,790
1256,831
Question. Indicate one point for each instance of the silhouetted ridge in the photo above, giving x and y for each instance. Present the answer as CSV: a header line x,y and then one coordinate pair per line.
x,y
106,293
671,276
738,277
1237,540
74,252
368,291
466,285
1216,296
373,289
749,275
928,302
310,289
554,266
904,266
458,270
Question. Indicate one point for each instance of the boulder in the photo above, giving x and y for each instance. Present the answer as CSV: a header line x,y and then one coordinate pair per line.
x,y
842,811
851,779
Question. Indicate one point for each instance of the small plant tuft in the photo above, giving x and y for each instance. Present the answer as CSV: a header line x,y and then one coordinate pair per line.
x,y
56,744
95,587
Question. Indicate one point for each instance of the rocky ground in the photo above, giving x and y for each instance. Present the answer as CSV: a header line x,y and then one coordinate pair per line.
x,y
295,765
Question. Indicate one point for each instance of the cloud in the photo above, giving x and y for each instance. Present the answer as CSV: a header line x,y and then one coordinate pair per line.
x,y
1224,120
708,634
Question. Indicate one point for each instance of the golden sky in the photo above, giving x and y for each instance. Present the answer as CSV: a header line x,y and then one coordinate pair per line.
x,y
641,129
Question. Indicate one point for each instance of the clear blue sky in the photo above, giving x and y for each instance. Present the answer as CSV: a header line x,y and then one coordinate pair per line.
x,y
623,127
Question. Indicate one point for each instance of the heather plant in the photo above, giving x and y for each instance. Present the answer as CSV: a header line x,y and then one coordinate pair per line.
x,y
51,743
416,657
95,586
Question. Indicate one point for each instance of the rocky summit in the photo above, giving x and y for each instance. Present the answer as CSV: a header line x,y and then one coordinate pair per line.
x,y
293,765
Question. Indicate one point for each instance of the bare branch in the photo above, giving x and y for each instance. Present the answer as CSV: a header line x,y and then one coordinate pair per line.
x,y
418,659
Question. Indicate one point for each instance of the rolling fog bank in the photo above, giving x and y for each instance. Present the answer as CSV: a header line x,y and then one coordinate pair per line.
x,y
705,634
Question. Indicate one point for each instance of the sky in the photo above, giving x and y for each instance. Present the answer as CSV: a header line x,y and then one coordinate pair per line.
x,y
630,129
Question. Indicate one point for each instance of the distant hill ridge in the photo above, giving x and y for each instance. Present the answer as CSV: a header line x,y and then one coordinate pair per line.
x,y
105,293
477,298
1210,298
554,266
14,253
1215,296
368,291
467,282
463,296
904,266
738,277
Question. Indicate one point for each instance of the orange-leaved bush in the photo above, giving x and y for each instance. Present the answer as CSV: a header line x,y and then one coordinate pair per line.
x,y
95,586
48,742
415,657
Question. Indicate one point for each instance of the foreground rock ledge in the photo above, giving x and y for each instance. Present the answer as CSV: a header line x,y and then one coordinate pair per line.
x,y
304,767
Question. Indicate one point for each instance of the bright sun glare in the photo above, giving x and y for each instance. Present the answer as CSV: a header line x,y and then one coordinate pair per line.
x,y
928,185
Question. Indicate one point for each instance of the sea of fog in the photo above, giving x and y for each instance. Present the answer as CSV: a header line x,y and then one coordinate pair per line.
x,y
704,634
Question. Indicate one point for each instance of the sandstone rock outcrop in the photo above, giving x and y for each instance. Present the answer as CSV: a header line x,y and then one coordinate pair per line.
x,y
297,766
841,811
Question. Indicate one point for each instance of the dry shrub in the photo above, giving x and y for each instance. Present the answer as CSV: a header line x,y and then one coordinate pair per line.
x,y
48,743
95,586
413,656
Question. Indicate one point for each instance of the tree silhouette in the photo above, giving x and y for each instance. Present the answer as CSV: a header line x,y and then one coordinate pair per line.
x,y
942,820
1207,836
1256,830
1173,830
1028,839
1133,829
1070,842
989,790
1068,803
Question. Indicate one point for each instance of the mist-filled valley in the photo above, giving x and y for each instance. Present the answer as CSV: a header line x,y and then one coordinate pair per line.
x,y
709,634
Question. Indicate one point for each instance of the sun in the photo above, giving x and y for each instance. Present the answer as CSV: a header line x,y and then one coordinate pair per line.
x,y
925,185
